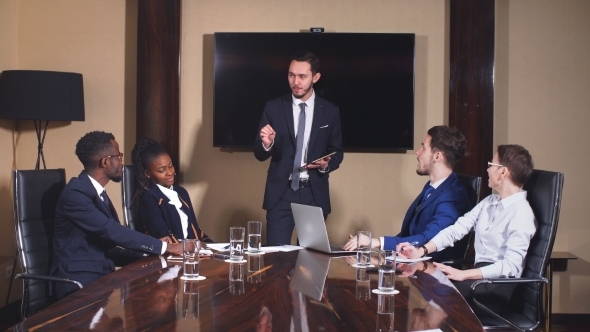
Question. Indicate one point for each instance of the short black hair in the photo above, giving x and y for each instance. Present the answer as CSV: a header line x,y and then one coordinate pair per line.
x,y
307,56
92,147
450,142
519,162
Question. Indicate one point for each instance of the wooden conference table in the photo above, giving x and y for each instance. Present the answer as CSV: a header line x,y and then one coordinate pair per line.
x,y
281,291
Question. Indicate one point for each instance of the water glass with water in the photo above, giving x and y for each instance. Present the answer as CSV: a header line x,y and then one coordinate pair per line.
x,y
254,232
190,258
386,261
363,253
236,243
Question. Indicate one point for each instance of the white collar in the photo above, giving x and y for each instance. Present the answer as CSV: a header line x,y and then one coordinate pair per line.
x,y
97,186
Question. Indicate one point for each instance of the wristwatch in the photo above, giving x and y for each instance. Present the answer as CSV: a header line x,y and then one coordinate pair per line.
x,y
425,250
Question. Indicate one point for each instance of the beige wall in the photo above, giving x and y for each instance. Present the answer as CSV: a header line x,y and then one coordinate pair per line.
x,y
542,81
542,49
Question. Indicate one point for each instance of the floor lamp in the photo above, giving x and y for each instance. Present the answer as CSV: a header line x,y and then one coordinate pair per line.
x,y
41,96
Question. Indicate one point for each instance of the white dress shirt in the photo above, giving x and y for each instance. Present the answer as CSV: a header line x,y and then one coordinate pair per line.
x,y
308,121
99,189
503,231
174,200
310,103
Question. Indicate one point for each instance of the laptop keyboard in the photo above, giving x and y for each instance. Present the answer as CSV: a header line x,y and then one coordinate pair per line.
x,y
336,248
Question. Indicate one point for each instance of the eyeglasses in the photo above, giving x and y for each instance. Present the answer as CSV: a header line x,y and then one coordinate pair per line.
x,y
494,164
120,155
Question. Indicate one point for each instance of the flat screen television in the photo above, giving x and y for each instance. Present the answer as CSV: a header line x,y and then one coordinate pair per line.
x,y
370,76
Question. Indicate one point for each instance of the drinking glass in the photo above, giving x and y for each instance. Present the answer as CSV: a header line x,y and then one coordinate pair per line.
x,y
363,253
386,261
254,231
236,243
190,258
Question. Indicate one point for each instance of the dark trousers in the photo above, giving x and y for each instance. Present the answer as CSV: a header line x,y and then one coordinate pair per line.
x,y
279,219
494,296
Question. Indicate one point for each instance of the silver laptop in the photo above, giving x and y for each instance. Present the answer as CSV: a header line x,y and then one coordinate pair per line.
x,y
311,229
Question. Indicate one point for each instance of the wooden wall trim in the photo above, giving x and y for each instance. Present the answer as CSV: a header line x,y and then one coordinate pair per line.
x,y
471,82
158,80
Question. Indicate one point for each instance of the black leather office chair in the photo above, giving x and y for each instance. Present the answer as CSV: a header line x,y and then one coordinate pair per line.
x,y
526,311
461,248
128,188
36,193
472,184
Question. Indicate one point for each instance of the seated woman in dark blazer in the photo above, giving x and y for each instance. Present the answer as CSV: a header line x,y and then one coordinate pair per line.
x,y
164,209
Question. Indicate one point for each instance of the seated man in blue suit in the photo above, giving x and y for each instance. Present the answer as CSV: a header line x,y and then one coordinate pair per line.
x,y
443,199
88,236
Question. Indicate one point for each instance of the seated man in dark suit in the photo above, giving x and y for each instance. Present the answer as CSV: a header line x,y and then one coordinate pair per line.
x,y
88,236
443,199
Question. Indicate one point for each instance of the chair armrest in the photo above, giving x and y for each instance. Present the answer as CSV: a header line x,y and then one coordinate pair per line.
x,y
46,278
501,281
506,281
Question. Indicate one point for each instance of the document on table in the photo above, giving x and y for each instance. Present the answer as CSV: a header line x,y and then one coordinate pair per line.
x,y
409,260
283,248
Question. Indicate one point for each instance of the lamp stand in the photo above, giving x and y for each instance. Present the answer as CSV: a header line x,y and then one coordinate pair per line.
x,y
40,140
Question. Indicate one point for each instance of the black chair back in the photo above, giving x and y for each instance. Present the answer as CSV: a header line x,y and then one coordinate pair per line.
x,y
36,193
464,247
128,188
544,195
472,184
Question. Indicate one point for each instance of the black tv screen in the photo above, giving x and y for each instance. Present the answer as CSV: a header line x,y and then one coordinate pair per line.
x,y
370,76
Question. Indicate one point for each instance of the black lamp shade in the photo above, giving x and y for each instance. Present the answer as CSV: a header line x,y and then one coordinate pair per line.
x,y
41,95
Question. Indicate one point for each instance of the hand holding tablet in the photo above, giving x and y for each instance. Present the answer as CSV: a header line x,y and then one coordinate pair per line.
x,y
313,163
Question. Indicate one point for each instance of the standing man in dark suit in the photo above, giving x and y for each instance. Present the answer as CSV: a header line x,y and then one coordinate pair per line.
x,y
296,129
88,236
442,200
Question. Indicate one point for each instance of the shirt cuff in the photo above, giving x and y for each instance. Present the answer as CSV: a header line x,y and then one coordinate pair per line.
x,y
326,170
489,271
164,247
382,241
270,147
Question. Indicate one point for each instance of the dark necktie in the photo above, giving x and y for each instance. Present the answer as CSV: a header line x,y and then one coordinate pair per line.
x,y
110,208
299,151
425,194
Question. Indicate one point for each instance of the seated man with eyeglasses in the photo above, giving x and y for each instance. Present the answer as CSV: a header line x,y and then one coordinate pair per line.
x,y
89,238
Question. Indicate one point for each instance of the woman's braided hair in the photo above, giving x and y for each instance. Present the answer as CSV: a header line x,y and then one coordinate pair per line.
x,y
143,153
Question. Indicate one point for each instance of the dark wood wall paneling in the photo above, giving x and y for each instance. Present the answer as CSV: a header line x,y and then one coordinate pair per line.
x,y
471,82
158,81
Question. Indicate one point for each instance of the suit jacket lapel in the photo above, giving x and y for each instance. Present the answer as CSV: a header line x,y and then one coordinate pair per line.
x,y
318,114
288,111
437,192
85,178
